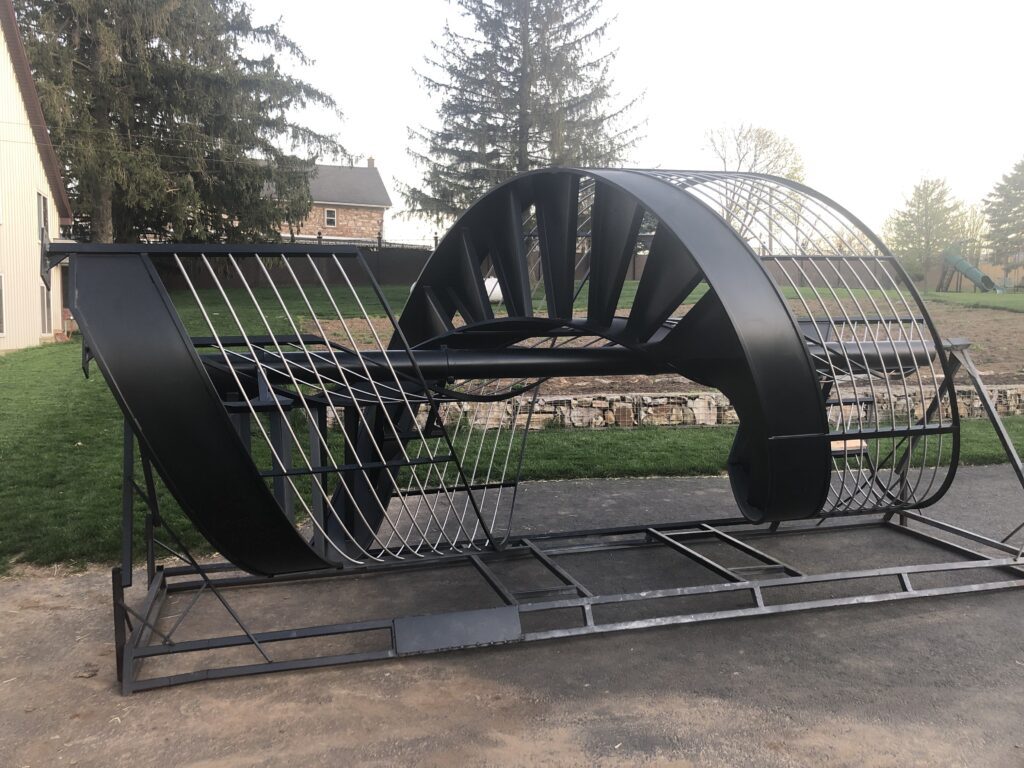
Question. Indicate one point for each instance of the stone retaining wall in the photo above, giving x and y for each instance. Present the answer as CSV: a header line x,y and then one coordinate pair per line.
x,y
682,408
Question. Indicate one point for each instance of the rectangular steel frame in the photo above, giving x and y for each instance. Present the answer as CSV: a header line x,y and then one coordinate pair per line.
x,y
135,628
412,635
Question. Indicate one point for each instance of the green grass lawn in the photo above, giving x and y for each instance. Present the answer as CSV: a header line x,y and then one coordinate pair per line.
x,y
60,454
244,311
274,316
1010,302
273,313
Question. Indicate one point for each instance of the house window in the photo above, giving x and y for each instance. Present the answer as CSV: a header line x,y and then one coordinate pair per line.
x,y
42,215
45,308
330,217
3,326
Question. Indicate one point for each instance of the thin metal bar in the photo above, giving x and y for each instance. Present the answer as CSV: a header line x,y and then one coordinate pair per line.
x,y
127,504
694,555
204,249
187,556
787,581
366,465
146,624
556,569
120,620
694,618
185,612
963,356
474,486
153,518
758,596
274,636
243,670
751,550
949,528
492,579
282,462
155,595
948,545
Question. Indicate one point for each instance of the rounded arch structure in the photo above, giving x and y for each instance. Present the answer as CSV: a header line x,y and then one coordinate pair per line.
x,y
300,428
754,285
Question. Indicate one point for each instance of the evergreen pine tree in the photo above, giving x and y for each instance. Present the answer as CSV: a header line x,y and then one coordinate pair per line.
x,y
524,89
930,221
173,120
1004,208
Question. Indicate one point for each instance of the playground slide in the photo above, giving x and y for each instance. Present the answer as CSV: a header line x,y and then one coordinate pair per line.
x,y
955,262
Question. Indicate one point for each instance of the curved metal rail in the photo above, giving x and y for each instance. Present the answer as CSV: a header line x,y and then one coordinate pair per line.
x,y
301,425
755,285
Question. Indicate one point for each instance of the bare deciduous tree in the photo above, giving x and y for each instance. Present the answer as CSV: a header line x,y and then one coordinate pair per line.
x,y
972,231
753,149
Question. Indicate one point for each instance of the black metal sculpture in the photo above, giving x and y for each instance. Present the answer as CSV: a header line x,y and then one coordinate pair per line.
x,y
396,440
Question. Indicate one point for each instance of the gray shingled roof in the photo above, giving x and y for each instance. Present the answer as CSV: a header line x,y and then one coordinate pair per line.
x,y
348,185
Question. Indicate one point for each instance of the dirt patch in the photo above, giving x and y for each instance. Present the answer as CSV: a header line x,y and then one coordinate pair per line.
x,y
917,683
59,705
997,339
997,346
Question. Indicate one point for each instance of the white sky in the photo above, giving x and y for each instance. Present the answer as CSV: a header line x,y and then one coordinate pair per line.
x,y
875,95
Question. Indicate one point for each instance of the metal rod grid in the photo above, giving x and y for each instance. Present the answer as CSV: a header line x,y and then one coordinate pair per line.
x,y
144,635
881,365
407,635
303,349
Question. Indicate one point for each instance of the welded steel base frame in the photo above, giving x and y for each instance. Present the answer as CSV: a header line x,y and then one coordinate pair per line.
x,y
412,635
136,627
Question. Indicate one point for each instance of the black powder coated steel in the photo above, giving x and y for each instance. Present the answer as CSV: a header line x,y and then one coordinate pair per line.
x,y
306,430
144,638
146,355
787,376
739,338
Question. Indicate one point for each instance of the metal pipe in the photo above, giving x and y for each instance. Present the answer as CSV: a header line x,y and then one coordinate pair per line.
x,y
443,364
543,362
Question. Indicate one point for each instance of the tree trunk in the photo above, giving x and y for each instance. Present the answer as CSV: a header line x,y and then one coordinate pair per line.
x,y
525,88
102,204
102,212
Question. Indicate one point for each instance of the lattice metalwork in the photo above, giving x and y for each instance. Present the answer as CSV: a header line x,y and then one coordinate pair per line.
x,y
875,351
318,415
310,430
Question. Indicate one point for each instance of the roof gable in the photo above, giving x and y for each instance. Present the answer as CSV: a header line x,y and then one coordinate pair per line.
x,y
30,98
348,185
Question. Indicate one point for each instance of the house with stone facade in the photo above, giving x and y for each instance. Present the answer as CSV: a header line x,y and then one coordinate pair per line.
x,y
33,201
349,202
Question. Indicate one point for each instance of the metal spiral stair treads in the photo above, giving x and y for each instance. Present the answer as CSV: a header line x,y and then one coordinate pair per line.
x,y
302,425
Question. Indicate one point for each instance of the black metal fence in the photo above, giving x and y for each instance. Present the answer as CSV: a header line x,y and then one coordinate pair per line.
x,y
388,265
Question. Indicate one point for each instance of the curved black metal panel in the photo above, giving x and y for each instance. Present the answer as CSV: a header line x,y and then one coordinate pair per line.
x,y
154,373
740,338
780,462
752,285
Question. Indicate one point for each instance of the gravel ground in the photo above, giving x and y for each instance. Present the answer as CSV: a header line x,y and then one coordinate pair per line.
x,y
934,682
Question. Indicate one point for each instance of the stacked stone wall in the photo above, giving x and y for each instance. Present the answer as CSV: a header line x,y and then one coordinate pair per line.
x,y
694,409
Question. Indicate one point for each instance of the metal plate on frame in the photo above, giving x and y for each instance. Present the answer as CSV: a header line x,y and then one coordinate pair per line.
x,y
421,634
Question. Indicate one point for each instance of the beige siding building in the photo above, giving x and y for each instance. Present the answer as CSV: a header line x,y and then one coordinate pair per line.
x,y
32,199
